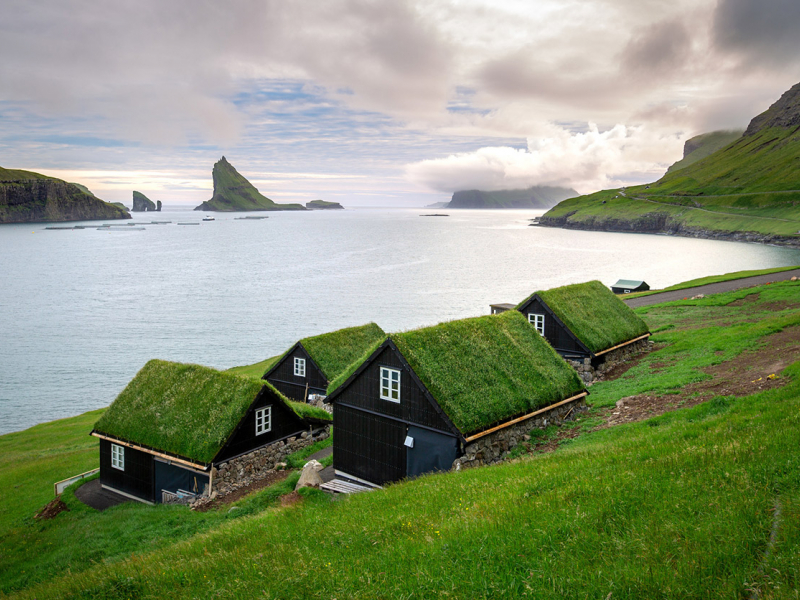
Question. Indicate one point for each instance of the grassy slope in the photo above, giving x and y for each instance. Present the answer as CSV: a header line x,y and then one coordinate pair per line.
x,y
256,370
594,314
679,506
17,175
750,185
31,461
704,145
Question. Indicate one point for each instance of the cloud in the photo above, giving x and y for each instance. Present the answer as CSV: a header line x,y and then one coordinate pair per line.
x,y
586,161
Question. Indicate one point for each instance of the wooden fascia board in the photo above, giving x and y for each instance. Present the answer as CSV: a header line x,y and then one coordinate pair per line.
x,y
170,457
641,337
368,361
486,432
426,392
560,322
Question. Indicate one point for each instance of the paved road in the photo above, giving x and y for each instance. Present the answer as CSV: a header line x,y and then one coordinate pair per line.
x,y
711,288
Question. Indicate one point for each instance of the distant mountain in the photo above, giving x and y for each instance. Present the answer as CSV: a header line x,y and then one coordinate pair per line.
x,y
142,203
232,192
437,205
532,197
27,197
323,204
705,144
749,190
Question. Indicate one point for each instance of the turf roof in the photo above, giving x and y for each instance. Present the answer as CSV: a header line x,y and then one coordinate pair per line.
x,y
187,410
594,314
487,370
335,351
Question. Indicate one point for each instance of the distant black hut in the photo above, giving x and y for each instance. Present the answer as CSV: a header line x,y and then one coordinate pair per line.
x,y
174,425
627,286
425,398
583,320
312,363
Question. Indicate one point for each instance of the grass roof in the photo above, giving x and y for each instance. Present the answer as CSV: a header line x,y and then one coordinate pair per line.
x,y
335,351
188,410
306,411
594,314
486,370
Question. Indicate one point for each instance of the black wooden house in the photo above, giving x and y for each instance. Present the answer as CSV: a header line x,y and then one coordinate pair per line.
x,y
174,424
584,320
628,286
422,396
309,366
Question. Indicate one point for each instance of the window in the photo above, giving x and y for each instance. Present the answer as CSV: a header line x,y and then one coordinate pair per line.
x,y
263,420
537,321
118,457
300,367
390,384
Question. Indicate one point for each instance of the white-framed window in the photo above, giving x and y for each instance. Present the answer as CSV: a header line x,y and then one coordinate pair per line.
x,y
118,457
390,384
263,420
537,321
300,367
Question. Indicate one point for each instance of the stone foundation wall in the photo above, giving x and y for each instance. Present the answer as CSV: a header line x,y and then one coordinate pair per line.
x,y
589,373
244,470
496,446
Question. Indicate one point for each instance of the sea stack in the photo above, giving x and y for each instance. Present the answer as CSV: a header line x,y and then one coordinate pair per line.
x,y
233,193
142,203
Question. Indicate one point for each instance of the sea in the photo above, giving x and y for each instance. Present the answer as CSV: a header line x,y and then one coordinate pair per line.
x,y
82,310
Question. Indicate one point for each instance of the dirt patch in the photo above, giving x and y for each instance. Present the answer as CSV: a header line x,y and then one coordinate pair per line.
x,y
52,509
270,479
746,374
290,499
749,299
621,368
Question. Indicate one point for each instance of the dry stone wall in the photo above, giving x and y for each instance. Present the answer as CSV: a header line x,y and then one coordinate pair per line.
x,y
244,470
589,373
496,446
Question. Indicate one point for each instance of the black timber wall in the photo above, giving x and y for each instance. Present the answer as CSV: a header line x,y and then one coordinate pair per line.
x,y
293,386
555,334
369,432
285,423
136,479
414,407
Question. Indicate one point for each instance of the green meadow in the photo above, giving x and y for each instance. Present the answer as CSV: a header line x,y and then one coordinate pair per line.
x,y
699,502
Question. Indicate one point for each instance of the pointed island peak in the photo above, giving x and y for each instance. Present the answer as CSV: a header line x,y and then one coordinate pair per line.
x,y
785,113
233,192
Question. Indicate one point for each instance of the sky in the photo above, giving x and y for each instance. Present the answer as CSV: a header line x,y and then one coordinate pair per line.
x,y
379,103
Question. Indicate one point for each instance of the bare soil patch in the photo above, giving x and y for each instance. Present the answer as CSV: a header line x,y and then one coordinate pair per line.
x,y
749,299
746,374
52,509
290,499
272,478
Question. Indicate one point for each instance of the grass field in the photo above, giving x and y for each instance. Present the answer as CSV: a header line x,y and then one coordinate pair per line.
x,y
256,370
683,505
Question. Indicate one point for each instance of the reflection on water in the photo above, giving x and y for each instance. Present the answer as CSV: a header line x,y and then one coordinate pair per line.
x,y
83,310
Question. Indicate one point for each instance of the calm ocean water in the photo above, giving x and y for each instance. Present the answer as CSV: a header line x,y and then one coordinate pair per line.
x,y
82,311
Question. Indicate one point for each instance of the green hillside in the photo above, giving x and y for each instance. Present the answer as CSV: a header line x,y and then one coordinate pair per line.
x,y
232,192
705,144
700,502
748,190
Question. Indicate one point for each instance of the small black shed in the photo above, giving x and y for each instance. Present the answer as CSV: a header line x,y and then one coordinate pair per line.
x,y
174,423
627,286
583,320
312,363
421,396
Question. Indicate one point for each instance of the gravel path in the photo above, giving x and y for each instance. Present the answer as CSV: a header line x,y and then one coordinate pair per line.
x,y
711,288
